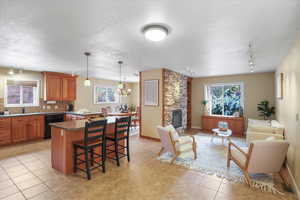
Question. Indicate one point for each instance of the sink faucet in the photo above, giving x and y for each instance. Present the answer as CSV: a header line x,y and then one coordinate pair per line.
x,y
23,110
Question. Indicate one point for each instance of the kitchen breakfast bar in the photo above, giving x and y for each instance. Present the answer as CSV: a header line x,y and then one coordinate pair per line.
x,y
64,134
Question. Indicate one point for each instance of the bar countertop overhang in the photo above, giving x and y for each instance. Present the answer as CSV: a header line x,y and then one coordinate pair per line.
x,y
75,125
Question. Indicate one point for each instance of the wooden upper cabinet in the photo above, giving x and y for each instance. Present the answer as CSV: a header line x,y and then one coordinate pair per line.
x,y
53,88
68,89
59,87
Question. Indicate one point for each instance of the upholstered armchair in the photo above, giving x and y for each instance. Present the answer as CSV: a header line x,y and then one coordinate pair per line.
x,y
175,144
262,156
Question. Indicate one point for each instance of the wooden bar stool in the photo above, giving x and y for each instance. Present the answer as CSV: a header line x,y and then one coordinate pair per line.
x,y
94,137
122,128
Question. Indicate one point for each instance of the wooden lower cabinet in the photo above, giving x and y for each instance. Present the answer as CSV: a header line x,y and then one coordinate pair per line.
x,y
27,128
5,131
35,127
236,124
18,128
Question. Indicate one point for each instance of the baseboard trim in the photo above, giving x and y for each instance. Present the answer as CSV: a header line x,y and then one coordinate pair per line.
x,y
294,185
150,138
196,127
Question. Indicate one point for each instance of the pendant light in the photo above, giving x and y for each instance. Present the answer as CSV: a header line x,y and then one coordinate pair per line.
x,y
122,90
87,81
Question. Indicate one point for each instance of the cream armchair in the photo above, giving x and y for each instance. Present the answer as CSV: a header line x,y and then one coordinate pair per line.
x,y
173,143
262,156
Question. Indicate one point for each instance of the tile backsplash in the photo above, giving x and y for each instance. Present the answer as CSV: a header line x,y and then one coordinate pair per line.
x,y
43,107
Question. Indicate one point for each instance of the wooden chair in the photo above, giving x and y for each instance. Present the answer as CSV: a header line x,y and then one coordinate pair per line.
x,y
94,137
136,117
104,111
173,143
122,129
262,156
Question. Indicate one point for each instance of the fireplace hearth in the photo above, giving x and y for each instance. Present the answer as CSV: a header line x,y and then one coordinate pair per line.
x,y
177,118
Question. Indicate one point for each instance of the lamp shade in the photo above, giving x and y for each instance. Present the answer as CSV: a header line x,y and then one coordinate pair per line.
x,y
87,82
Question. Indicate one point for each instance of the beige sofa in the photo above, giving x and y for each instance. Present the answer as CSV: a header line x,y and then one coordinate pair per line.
x,y
262,129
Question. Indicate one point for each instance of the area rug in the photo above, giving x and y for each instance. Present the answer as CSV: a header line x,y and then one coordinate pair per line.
x,y
212,159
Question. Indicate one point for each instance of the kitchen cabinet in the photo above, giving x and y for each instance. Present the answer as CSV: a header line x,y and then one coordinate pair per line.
x,y
18,129
35,127
5,131
53,88
59,87
27,128
68,89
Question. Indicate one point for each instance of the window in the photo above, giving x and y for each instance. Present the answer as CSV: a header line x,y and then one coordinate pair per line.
x,y
21,93
104,94
225,99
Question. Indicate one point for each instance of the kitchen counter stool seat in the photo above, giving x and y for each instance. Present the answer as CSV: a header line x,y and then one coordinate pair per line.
x,y
94,137
122,129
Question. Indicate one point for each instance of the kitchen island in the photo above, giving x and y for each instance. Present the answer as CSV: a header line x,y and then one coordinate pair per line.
x,y
64,134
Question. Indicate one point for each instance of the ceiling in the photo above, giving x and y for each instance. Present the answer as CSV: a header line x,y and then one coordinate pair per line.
x,y
206,37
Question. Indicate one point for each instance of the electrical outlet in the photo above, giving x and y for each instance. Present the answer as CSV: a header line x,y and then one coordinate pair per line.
x,y
44,107
48,107
56,107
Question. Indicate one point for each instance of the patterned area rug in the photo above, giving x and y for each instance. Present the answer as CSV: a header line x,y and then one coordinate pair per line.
x,y
212,159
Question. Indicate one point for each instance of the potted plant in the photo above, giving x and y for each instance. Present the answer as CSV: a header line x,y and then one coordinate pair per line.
x,y
265,110
205,107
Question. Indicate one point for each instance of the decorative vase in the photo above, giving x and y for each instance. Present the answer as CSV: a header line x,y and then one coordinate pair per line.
x,y
206,110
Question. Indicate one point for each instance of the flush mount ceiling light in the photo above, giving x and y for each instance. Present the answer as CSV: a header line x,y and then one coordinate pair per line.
x,y
155,32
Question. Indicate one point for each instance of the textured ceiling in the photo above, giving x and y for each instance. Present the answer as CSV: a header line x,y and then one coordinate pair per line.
x,y
208,37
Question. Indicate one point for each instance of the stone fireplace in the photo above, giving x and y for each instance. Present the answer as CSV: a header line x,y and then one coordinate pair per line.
x,y
175,99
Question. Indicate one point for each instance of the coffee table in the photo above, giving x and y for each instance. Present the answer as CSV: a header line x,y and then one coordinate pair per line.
x,y
222,134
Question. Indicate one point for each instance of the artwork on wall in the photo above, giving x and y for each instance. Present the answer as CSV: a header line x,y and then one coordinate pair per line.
x,y
279,86
151,92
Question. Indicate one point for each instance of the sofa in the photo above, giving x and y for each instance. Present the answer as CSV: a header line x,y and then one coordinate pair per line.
x,y
262,129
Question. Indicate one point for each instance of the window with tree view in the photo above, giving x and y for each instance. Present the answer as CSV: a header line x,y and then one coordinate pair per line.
x,y
21,93
225,99
105,95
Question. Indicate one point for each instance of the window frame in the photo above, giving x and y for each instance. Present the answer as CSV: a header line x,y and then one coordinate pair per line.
x,y
36,98
208,97
106,87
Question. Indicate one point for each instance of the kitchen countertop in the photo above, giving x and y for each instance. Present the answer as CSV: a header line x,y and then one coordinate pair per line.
x,y
29,114
47,113
75,125
84,114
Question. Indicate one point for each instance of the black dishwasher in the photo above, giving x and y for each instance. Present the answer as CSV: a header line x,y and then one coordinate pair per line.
x,y
52,118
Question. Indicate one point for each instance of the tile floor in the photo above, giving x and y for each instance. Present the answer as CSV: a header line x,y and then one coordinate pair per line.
x,y
26,173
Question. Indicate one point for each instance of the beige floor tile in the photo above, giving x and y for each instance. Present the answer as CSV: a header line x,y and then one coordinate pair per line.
x,y
4,192
5,183
28,183
22,178
16,173
4,176
48,195
35,190
17,196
